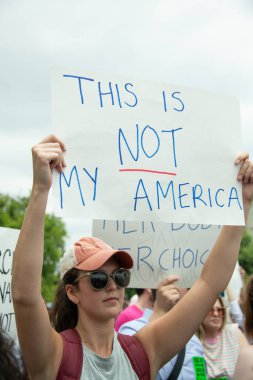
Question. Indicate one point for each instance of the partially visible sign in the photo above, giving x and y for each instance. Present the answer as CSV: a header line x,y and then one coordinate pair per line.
x,y
8,240
160,249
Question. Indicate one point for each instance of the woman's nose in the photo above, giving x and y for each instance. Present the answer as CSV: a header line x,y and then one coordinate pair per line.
x,y
111,284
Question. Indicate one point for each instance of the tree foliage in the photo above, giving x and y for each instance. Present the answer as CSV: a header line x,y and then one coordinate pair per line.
x,y
246,252
12,211
11,215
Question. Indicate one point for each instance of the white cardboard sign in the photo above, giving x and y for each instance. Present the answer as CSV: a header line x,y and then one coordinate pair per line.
x,y
160,249
8,240
140,150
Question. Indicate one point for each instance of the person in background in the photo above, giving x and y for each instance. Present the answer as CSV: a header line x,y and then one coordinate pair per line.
x,y
167,295
235,311
244,281
91,291
134,311
244,367
134,299
222,342
242,273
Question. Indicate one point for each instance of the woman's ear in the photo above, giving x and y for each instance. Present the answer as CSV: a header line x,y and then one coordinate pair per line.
x,y
71,292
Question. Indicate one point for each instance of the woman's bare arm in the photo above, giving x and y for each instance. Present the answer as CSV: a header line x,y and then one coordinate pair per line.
x,y
165,337
41,345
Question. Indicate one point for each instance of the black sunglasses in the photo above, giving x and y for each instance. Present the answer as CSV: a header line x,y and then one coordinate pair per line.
x,y
99,279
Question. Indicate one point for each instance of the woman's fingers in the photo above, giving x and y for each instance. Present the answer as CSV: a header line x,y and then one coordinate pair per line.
x,y
51,153
245,173
54,139
241,157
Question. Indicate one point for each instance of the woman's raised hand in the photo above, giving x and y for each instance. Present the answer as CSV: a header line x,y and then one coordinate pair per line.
x,y
47,155
245,175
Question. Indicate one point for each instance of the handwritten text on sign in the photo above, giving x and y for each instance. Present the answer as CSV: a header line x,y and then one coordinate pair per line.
x,y
140,150
8,240
160,249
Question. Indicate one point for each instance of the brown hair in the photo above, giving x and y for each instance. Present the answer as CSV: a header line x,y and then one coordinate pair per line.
x,y
248,307
64,312
10,367
201,330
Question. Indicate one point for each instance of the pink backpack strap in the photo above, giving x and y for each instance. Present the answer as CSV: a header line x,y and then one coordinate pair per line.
x,y
72,358
136,354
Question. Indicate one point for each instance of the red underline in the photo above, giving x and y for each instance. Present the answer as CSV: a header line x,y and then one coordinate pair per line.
x,y
146,171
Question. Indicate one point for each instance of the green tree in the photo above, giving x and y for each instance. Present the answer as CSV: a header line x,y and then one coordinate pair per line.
x,y
11,215
246,252
12,211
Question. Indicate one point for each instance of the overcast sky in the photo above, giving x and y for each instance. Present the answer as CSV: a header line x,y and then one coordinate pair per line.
x,y
204,44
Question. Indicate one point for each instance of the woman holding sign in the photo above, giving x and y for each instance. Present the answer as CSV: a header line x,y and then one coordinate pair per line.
x,y
91,293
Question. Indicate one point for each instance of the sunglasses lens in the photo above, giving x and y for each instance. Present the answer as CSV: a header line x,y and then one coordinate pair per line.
x,y
122,277
99,280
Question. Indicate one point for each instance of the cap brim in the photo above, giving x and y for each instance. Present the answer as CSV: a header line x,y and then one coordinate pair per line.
x,y
98,259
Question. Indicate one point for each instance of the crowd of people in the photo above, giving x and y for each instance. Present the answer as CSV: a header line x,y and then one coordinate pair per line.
x,y
170,334
223,339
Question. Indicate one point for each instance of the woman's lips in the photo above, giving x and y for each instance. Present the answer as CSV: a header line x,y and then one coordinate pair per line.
x,y
111,299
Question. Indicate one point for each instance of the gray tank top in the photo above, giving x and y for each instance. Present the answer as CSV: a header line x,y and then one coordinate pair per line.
x,y
114,367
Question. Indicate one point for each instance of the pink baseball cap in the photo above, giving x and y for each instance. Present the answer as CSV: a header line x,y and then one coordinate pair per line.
x,y
90,253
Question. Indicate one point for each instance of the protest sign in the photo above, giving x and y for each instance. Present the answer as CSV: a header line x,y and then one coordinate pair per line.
x,y
160,249
8,240
140,150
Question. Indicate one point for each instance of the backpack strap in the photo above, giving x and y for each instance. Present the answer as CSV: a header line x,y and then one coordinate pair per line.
x,y
136,354
72,357
178,365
